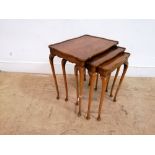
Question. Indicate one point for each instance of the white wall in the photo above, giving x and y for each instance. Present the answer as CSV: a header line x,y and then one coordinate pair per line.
x,y
24,43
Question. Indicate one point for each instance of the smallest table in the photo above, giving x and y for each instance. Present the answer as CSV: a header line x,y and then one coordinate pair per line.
x,y
78,50
104,65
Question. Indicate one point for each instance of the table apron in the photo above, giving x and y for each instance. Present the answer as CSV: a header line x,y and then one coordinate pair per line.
x,y
68,58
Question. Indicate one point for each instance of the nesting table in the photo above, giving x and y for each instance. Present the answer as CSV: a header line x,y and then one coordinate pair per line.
x,y
78,50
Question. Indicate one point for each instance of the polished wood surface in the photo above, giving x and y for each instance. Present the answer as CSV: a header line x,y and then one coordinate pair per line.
x,y
108,68
93,63
83,47
99,56
100,59
112,64
79,50
105,70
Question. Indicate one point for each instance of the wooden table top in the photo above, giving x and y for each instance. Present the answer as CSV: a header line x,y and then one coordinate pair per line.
x,y
96,61
108,55
113,63
83,47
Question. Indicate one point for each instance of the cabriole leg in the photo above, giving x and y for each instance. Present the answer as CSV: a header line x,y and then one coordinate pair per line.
x,y
85,74
104,83
96,81
77,83
81,72
51,57
92,81
115,78
121,80
108,82
63,63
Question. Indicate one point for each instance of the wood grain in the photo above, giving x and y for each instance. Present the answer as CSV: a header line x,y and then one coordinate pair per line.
x,y
83,47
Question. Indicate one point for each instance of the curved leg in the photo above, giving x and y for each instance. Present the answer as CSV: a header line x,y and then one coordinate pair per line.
x,y
108,82
89,81
104,82
121,80
81,72
77,83
96,82
89,78
113,84
63,63
54,76
92,80
85,74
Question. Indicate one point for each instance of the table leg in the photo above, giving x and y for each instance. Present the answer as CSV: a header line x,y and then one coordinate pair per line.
x,y
51,57
91,90
89,81
77,83
85,74
96,82
104,83
121,80
108,82
81,72
63,63
113,84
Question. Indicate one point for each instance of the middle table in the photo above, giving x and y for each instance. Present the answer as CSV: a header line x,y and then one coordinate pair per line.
x,y
78,50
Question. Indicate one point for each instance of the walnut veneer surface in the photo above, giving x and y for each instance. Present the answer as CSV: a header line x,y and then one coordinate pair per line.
x,y
101,58
113,63
83,47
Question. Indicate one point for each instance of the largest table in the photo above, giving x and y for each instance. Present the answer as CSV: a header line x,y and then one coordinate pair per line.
x,y
78,50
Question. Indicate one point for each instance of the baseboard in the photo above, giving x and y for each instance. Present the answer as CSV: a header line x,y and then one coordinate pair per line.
x,y
44,67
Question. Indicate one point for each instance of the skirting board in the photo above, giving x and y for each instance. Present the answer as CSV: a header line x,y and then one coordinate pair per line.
x,y
44,68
